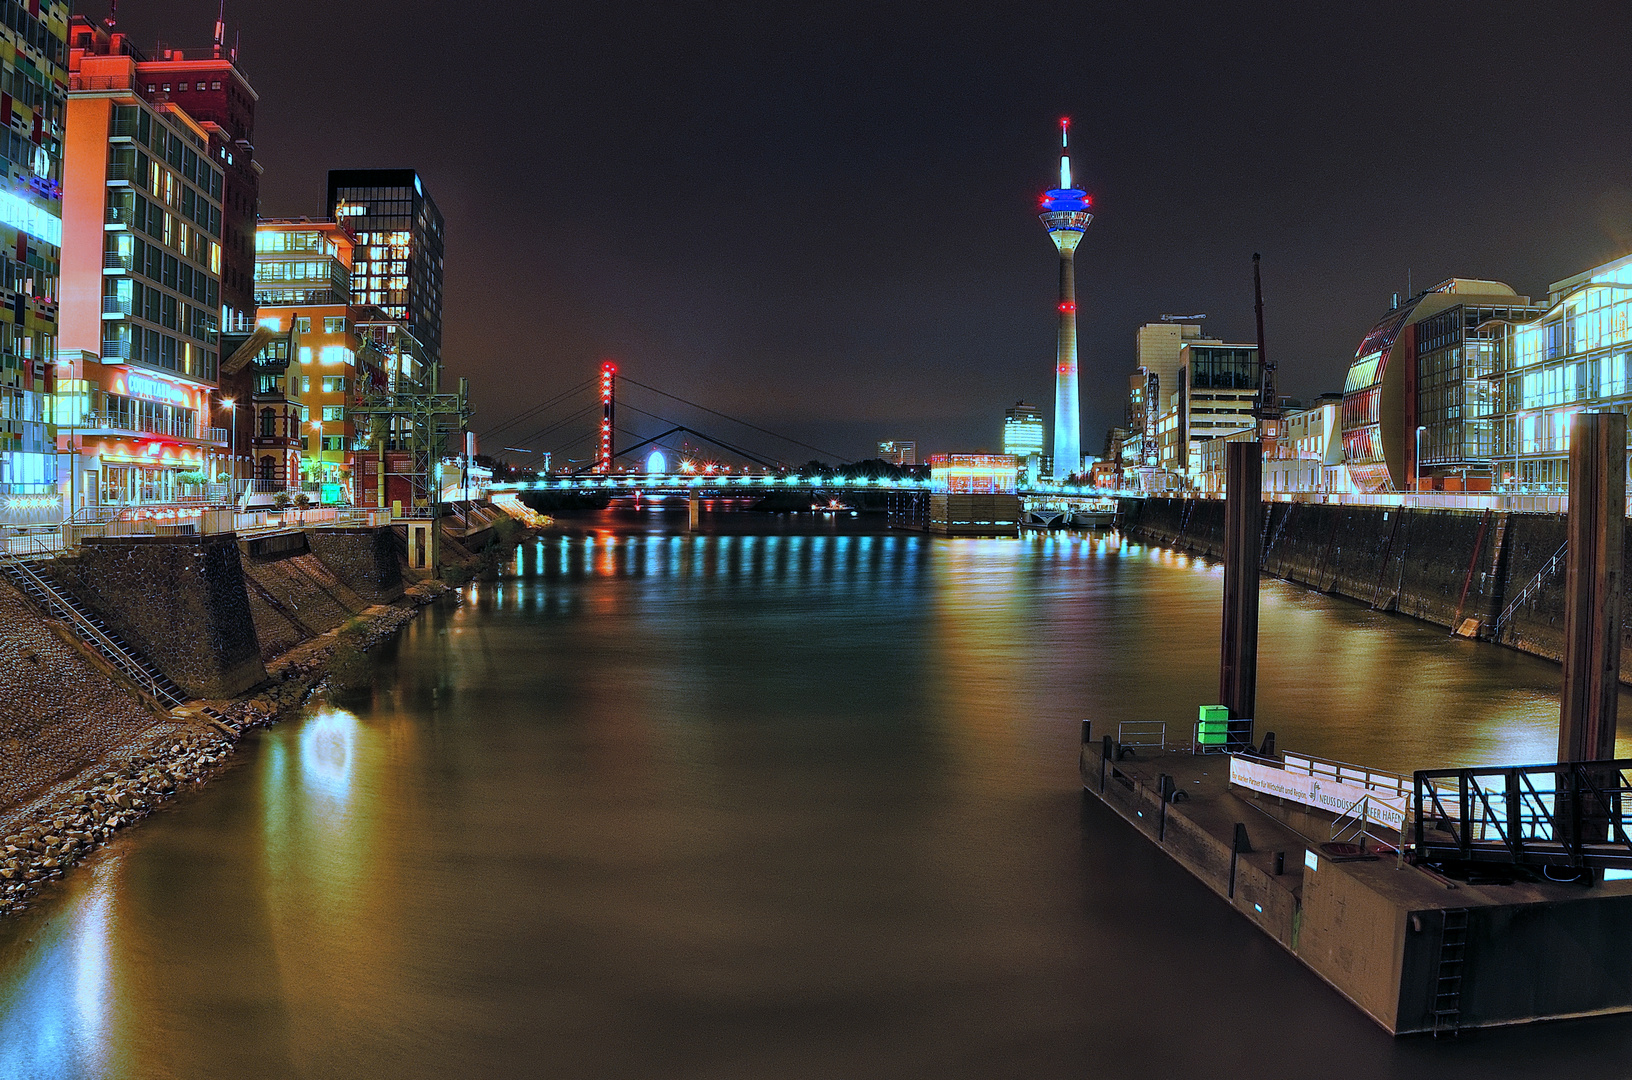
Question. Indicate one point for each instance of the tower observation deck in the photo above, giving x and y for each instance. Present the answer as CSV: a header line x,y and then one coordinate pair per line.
x,y
1066,216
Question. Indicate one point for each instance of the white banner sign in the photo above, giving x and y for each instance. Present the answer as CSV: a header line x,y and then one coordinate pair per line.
x,y
1319,792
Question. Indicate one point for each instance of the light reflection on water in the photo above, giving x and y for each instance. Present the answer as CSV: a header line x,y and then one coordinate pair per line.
x,y
55,996
693,805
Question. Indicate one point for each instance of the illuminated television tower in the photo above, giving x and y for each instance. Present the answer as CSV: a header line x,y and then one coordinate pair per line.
x,y
1065,213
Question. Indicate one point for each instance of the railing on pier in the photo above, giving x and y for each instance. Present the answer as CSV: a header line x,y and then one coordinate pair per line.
x,y
1571,814
1142,733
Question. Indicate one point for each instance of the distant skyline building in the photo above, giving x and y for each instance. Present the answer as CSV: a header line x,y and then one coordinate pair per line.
x,y
899,452
1023,432
1066,215
398,265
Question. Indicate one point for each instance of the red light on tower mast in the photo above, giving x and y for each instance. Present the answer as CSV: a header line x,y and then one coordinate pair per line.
x,y
609,379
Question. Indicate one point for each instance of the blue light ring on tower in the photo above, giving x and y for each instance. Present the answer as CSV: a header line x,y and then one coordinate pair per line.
x,y
1067,200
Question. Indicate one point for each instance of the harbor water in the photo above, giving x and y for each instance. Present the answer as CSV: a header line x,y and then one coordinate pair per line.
x,y
777,800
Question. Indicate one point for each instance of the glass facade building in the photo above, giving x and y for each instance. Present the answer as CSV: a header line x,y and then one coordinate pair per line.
x,y
398,263
1215,388
139,348
1424,378
33,111
1575,355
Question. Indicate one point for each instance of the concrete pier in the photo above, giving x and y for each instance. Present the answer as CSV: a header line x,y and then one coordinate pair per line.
x,y
1376,929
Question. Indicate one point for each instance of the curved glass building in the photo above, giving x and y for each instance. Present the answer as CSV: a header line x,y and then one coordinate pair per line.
x,y
1420,398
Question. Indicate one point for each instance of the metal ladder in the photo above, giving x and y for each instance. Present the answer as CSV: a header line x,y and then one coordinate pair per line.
x,y
58,603
1388,557
1269,544
1453,959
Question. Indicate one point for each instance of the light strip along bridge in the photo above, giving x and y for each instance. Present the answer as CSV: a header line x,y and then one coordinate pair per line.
x,y
727,483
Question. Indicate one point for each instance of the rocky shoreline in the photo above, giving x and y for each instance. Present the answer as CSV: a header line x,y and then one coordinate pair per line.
x,y
58,829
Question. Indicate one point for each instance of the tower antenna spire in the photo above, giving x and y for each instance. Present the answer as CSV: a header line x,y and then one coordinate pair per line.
x,y
1065,152
221,29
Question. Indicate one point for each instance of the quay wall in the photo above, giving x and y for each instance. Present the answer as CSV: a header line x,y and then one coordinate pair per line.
x,y
1455,568
180,601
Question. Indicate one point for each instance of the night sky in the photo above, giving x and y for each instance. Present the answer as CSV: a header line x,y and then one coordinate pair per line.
x,y
822,217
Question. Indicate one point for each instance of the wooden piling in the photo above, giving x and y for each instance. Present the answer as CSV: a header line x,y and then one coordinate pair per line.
x,y
1596,534
1243,524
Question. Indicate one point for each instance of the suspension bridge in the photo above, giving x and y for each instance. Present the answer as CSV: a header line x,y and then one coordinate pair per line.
x,y
739,458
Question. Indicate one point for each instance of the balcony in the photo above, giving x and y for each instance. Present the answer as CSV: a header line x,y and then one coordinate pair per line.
x,y
105,424
219,436
121,170
116,305
115,260
116,349
77,81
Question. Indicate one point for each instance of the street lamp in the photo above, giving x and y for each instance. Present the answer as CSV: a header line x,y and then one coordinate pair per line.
x,y
1418,463
232,441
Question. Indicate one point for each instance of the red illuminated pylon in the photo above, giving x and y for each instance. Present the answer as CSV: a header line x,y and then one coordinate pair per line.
x,y
609,379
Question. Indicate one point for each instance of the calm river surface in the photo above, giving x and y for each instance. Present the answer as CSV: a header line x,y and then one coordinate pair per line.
x,y
757,806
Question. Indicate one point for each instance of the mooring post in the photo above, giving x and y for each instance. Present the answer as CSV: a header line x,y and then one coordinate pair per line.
x,y
1595,531
1243,520
692,507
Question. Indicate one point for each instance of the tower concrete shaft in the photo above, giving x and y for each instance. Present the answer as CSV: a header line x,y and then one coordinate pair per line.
x,y
1067,411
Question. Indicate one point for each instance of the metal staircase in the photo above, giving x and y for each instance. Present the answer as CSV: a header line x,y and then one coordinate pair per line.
x,y
88,626
1453,959
1545,574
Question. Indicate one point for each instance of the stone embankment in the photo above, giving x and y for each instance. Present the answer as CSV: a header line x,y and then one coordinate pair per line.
x,y
1461,569
251,627
47,836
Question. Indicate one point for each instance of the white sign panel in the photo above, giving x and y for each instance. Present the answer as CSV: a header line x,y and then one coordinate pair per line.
x,y
1319,792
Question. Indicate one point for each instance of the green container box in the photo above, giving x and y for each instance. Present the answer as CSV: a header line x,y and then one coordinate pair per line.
x,y
1214,712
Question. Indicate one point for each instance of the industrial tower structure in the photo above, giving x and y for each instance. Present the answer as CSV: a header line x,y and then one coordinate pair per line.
x,y
1066,215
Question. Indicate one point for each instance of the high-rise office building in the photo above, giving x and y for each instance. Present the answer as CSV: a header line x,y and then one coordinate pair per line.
x,y
33,81
303,284
899,452
1066,216
1023,433
398,264
139,345
209,85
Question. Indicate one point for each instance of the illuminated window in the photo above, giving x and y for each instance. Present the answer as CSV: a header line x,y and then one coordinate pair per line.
x,y
334,324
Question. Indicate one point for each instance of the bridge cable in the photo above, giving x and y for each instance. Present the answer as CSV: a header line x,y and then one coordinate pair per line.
x,y
528,414
734,420
546,429
739,451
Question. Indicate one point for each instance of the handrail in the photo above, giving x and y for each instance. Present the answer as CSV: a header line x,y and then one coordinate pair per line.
x,y
1577,817
120,657
1530,589
1376,780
